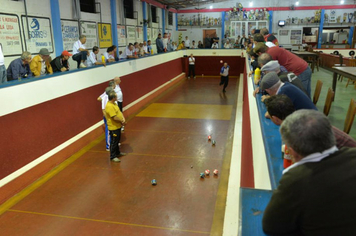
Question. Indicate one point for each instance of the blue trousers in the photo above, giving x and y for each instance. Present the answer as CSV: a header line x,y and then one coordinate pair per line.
x,y
305,77
107,135
3,77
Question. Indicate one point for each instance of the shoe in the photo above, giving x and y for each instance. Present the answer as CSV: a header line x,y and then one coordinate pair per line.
x,y
116,159
194,77
82,65
119,144
108,149
188,77
123,128
121,154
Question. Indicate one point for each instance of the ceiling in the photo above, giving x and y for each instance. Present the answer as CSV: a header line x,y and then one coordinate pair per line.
x,y
177,4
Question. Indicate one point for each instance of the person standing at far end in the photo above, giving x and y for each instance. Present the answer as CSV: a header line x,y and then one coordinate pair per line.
x,y
118,91
159,44
224,73
191,66
115,120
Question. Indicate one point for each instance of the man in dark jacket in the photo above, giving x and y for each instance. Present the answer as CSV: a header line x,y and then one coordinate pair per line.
x,y
159,44
316,195
60,63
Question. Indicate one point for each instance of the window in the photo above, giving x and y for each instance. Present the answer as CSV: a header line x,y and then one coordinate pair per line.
x,y
87,6
170,18
129,9
154,14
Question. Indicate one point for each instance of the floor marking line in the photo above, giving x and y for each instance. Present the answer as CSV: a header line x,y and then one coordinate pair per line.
x,y
110,222
38,183
222,193
158,155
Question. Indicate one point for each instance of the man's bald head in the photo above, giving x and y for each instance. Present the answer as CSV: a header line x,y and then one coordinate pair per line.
x,y
117,80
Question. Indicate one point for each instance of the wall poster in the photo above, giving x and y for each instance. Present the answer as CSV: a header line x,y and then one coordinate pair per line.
x,y
105,38
10,35
121,35
89,30
131,34
39,34
70,33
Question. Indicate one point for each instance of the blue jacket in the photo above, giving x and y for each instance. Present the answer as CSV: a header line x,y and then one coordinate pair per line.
x,y
299,98
159,44
222,69
17,69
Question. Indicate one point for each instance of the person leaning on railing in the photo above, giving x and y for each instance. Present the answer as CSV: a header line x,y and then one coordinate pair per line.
x,y
60,63
40,65
20,68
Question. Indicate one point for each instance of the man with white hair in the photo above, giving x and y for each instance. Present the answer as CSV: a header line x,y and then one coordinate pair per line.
x,y
316,195
20,67
273,85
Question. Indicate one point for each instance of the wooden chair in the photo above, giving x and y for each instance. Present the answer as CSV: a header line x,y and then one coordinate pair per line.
x,y
341,63
317,91
352,63
350,116
328,101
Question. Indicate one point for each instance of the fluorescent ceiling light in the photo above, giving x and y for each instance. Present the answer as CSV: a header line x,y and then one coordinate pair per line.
x,y
297,3
251,4
342,1
211,7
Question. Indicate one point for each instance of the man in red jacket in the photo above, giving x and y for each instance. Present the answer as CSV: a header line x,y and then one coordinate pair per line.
x,y
290,61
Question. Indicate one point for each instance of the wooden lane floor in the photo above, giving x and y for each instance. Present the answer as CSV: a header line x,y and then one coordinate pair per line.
x,y
93,196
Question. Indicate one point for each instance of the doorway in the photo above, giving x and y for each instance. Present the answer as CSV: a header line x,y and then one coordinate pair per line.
x,y
211,33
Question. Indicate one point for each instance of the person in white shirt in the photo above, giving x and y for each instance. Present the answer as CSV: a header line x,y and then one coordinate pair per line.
x,y
165,42
187,42
174,46
129,52
136,48
191,66
215,45
104,98
109,55
118,92
3,75
227,45
145,48
92,59
79,52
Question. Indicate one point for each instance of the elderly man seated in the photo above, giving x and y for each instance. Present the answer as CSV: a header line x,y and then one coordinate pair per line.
x,y
316,195
20,68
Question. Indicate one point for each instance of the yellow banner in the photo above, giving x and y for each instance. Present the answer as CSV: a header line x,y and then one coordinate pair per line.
x,y
105,37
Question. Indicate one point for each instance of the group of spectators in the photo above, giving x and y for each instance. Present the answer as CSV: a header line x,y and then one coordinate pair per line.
x,y
316,193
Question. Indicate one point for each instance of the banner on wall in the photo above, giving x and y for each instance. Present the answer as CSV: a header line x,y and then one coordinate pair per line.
x,y
70,33
131,34
91,33
39,34
10,35
121,35
139,34
154,35
105,38
149,34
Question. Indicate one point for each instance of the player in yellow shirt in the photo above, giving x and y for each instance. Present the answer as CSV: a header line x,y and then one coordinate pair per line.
x,y
115,120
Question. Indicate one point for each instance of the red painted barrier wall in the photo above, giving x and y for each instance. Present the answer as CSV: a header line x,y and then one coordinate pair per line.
x,y
210,66
33,131
247,174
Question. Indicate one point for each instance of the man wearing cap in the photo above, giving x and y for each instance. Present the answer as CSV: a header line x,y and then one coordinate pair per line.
x,y
80,53
273,85
60,63
20,68
290,61
273,66
40,65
